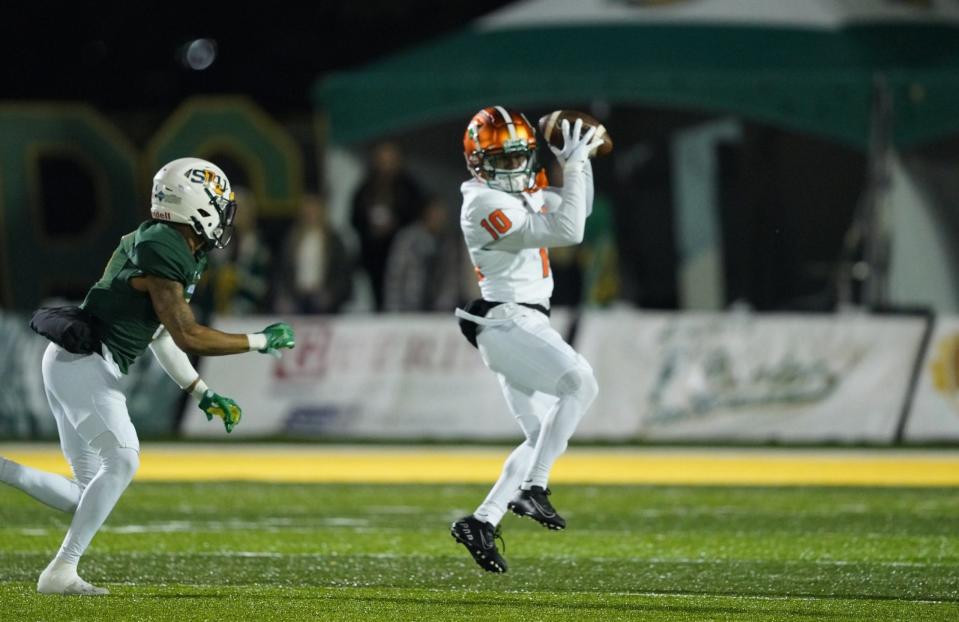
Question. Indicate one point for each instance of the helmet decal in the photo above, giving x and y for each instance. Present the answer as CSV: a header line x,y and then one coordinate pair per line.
x,y
509,122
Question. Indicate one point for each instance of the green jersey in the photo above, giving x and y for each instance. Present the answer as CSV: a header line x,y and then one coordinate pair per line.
x,y
129,322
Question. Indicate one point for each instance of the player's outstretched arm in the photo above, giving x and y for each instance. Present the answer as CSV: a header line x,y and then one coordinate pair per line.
x,y
193,338
178,367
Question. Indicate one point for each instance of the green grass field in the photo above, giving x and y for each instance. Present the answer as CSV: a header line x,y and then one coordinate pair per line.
x,y
255,551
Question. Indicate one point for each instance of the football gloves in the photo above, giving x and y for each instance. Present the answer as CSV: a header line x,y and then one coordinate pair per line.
x,y
279,335
576,145
213,404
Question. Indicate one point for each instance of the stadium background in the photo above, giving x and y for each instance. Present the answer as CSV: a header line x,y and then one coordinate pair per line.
x,y
773,243
769,269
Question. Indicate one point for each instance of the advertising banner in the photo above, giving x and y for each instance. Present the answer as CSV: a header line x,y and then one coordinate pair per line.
x,y
746,377
362,376
934,415
662,376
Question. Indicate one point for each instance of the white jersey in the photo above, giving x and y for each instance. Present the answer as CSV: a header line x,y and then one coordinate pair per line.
x,y
508,235
521,275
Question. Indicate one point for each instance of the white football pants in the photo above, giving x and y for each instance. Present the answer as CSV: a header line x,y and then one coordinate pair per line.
x,y
97,438
548,387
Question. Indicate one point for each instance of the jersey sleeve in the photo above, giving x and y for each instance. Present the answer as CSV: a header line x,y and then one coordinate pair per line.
x,y
553,196
155,258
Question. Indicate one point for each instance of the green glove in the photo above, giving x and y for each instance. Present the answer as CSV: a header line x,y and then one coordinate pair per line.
x,y
278,336
215,404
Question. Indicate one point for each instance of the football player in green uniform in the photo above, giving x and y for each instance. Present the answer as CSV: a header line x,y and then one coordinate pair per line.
x,y
140,302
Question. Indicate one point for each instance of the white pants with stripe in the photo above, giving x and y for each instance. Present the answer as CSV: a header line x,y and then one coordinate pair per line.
x,y
548,387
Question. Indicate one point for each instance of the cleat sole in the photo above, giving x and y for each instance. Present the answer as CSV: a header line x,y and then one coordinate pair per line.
x,y
523,514
478,556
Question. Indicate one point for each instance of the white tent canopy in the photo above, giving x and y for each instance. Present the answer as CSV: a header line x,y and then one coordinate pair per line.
x,y
817,14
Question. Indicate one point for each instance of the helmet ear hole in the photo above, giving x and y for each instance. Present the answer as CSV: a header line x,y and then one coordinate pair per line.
x,y
198,227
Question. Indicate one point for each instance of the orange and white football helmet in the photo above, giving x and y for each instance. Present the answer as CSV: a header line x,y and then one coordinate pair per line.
x,y
500,150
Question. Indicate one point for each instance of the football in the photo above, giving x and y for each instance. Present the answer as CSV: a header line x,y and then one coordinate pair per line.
x,y
550,126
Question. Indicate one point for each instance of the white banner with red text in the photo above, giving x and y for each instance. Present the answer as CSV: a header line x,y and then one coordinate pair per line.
x,y
362,376
725,377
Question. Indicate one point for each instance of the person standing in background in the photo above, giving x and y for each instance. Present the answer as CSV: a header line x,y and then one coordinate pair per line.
x,y
387,200
422,272
316,274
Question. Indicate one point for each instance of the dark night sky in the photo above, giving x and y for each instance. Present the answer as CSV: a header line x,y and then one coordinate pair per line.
x,y
124,56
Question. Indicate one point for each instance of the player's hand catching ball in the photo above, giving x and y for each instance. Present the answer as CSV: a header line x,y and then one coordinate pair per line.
x,y
278,336
213,404
576,145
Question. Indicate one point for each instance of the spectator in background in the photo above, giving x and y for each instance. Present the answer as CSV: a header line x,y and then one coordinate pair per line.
x,y
239,280
316,274
423,269
387,199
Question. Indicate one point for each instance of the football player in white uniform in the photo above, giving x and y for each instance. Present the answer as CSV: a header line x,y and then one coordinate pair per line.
x,y
509,221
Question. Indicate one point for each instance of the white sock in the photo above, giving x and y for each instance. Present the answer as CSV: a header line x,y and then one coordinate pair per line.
x,y
60,577
49,488
98,500
494,507
58,565
555,431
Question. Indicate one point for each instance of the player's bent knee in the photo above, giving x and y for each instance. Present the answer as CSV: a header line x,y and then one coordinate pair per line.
x,y
123,462
590,388
118,459
579,383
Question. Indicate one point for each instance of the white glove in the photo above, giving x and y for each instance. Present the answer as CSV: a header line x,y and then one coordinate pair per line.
x,y
576,146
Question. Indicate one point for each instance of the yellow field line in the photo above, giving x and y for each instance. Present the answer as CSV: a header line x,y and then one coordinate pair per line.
x,y
299,463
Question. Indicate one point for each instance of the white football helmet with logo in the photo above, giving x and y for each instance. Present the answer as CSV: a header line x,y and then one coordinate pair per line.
x,y
195,192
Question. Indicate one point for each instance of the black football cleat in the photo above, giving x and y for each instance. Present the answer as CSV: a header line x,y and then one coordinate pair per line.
x,y
479,538
535,504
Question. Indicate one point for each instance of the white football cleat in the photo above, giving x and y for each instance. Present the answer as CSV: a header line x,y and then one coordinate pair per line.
x,y
60,578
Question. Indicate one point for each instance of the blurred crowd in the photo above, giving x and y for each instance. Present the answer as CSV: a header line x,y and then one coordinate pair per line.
x,y
402,252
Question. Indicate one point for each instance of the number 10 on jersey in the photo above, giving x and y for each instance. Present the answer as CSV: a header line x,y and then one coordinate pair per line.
x,y
499,223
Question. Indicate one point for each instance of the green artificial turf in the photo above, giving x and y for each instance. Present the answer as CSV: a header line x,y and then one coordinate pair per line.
x,y
234,551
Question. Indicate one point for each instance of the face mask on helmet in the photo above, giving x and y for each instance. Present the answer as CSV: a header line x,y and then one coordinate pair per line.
x,y
221,235
509,172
